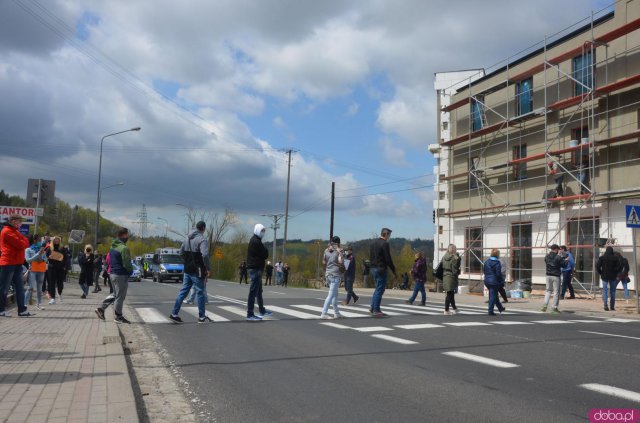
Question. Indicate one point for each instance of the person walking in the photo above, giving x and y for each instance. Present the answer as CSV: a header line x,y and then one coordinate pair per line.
x,y
567,273
120,268
195,253
56,269
278,268
381,262
243,272
333,261
419,274
257,253
623,276
553,262
609,267
37,260
12,247
450,272
493,280
85,261
268,273
97,270
106,279
350,276
285,274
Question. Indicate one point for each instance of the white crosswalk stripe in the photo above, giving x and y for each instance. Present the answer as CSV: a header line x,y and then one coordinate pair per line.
x,y
151,315
365,309
319,310
215,317
294,313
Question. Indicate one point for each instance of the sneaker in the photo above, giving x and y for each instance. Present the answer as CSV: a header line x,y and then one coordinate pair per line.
x,y
543,308
357,298
204,319
266,313
613,309
188,302
555,311
39,307
52,301
379,314
503,310
338,316
325,317
4,314
25,314
121,319
83,296
175,319
447,313
254,319
606,307
454,311
100,313
408,302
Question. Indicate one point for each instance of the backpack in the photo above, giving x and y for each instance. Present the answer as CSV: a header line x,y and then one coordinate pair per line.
x,y
438,273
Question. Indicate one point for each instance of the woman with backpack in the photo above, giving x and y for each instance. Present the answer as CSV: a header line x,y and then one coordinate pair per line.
x,y
493,280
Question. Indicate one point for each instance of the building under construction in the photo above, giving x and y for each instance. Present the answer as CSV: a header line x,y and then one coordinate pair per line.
x,y
543,149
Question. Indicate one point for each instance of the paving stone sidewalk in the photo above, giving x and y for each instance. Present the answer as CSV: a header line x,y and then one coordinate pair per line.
x,y
64,364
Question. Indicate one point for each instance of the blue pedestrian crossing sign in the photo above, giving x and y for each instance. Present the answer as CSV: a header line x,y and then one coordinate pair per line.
x,y
633,216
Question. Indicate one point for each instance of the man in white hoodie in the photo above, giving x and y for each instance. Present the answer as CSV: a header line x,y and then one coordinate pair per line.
x,y
195,253
257,253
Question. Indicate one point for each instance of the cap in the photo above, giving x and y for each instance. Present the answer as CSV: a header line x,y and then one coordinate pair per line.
x,y
385,230
554,247
335,240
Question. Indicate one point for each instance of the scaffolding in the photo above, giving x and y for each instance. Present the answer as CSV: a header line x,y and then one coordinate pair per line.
x,y
498,124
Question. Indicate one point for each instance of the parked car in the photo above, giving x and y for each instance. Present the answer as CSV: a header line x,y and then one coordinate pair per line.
x,y
136,275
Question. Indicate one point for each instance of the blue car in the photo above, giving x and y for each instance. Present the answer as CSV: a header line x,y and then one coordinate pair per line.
x,y
136,275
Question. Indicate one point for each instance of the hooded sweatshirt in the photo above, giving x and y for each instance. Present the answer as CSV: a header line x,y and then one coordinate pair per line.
x,y
197,244
120,258
257,253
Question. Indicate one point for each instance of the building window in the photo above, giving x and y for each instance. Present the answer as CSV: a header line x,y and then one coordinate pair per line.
x,y
473,250
441,195
581,235
477,113
473,167
521,252
520,169
441,177
582,73
524,96
440,230
445,126
440,212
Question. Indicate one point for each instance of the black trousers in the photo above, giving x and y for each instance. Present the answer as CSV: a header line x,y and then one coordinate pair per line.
x,y
56,281
503,293
450,300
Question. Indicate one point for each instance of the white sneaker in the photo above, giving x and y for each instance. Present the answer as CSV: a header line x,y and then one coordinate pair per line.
x,y
454,311
39,307
447,313
52,301
325,317
337,316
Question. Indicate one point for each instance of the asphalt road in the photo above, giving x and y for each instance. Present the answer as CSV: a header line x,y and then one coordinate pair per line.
x,y
522,366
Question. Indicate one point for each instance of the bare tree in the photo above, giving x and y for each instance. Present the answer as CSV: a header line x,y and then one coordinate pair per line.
x,y
218,224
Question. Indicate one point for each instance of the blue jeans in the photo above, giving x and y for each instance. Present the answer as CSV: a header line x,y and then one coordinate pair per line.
x,y
494,299
35,284
192,293
566,283
255,292
332,296
85,289
348,286
380,276
626,289
418,287
11,274
611,287
188,281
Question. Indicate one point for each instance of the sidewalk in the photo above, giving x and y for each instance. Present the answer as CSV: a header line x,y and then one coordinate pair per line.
x,y
64,365
533,303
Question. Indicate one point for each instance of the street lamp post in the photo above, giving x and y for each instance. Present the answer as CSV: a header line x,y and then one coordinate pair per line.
x,y
166,225
99,178
189,215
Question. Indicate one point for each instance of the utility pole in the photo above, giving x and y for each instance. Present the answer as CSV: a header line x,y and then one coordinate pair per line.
x,y
35,229
286,207
333,200
275,227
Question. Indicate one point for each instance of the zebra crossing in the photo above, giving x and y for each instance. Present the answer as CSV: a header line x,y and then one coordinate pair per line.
x,y
229,309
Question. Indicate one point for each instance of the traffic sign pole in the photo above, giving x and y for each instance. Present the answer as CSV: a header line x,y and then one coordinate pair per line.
x,y
633,221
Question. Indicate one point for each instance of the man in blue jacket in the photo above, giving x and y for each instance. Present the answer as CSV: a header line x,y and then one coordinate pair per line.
x,y
493,280
567,273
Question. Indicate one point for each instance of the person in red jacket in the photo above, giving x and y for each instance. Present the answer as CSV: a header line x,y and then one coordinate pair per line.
x,y
12,246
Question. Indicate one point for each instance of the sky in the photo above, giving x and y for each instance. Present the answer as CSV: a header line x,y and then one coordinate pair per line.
x,y
223,88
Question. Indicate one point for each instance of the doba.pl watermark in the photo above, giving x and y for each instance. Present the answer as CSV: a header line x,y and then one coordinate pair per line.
x,y
614,415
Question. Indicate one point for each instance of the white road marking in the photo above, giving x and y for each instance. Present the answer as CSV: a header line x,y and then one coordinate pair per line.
x,y
335,325
276,292
151,315
480,359
610,334
519,310
586,321
372,329
235,310
615,319
294,313
468,324
510,322
365,309
613,391
394,339
215,317
552,322
419,326
408,309
231,300
319,310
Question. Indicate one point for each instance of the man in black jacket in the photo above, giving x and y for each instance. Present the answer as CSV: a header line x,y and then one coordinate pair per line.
x,y
380,258
553,262
608,267
257,253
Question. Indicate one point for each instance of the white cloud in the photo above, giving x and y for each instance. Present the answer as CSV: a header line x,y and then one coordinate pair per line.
x,y
353,109
393,152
